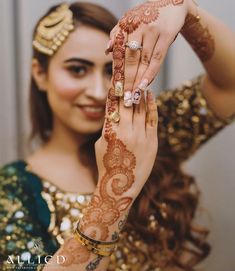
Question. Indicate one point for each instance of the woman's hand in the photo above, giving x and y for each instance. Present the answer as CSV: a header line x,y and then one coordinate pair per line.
x,y
127,149
154,25
125,155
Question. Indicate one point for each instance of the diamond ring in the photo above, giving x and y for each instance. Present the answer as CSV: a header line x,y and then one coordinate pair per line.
x,y
134,45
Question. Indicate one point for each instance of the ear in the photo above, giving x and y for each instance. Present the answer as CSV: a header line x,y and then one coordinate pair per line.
x,y
39,74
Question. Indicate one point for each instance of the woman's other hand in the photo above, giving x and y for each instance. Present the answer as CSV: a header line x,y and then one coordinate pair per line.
x,y
152,27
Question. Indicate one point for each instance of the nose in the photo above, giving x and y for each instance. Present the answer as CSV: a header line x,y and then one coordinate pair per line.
x,y
98,87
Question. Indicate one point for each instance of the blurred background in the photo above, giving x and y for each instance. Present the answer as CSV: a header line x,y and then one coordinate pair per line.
x,y
213,165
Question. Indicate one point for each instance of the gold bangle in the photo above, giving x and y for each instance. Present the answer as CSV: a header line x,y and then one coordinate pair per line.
x,y
98,247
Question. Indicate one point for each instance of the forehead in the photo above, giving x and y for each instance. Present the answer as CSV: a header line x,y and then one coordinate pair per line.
x,y
85,42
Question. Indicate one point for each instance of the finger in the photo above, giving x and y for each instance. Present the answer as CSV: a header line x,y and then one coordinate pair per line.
x,y
126,117
157,59
139,115
109,47
118,63
149,43
112,115
111,41
114,32
132,59
152,115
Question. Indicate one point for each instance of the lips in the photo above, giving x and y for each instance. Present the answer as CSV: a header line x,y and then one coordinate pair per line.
x,y
92,111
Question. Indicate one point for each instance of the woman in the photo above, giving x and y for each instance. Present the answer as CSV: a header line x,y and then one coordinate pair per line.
x,y
70,81
38,216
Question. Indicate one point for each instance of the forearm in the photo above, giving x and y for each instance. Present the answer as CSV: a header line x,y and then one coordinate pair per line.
x,y
103,219
214,43
73,256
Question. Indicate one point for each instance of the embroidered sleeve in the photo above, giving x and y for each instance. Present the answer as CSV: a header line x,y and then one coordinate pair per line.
x,y
24,244
185,120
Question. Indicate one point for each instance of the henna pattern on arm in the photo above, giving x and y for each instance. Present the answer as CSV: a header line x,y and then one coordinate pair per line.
x,y
94,263
73,252
118,61
199,38
109,204
145,13
107,207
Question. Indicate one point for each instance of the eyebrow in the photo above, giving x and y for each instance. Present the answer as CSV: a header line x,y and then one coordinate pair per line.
x,y
83,61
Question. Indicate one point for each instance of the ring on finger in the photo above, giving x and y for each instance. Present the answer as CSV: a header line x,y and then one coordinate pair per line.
x,y
114,117
134,45
119,89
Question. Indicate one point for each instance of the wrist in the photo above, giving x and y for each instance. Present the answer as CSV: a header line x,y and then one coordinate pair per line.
x,y
191,19
108,232
192,7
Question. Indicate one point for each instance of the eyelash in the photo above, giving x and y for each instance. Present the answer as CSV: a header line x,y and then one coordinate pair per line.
x,y
77,70
108,70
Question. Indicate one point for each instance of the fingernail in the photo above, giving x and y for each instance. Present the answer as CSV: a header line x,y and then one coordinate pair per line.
x,y
128,98
119,89
136,96
150,96
143,84
108,48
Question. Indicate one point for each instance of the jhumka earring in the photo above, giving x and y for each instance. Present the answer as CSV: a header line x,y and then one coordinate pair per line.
x,y
53,30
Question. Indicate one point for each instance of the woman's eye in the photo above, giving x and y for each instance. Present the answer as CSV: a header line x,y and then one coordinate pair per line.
x,y
78,70
109,70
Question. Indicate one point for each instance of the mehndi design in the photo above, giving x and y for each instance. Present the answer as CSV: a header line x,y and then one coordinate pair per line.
x,y
73,253
107,207
199,37
118,60
145,13
109,204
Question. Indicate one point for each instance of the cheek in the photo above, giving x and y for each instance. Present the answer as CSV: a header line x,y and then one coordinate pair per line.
x,y
64,86
108,83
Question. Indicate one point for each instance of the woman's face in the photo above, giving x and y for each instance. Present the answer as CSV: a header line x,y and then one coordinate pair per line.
x,y
78,80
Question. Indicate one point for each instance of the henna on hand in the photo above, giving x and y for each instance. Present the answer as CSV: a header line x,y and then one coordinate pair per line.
x,y
94,263
109,204
73,253
199,38
107,207
118,62
145,13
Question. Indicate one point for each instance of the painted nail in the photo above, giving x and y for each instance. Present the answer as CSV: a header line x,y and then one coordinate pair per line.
x,y
119,89
143,84
136,96
109,46
150,96
128,98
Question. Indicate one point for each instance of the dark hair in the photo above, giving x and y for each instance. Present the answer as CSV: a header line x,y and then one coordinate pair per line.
x,y
170,195
163,215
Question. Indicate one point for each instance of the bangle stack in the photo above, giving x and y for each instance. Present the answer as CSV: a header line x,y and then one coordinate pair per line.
x,y
101,248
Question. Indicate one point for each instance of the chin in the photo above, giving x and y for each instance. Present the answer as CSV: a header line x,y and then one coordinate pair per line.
x,y
89,128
